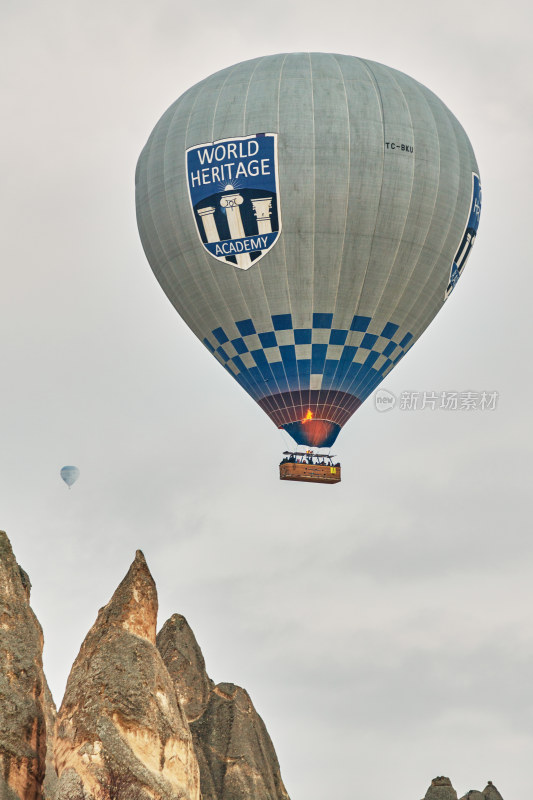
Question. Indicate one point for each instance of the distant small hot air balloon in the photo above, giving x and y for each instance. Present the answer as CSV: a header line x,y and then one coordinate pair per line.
x,y
308,215
70,475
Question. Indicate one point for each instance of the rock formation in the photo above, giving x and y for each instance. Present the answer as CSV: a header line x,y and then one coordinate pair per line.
x,y
490,792
22,685
236,756
50,776
186,666
120,725
442,789
140,720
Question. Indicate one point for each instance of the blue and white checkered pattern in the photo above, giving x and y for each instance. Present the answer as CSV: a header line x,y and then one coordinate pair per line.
x,y
321,357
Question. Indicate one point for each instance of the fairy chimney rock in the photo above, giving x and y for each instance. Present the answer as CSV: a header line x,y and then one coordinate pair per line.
x,y
120,723
185,663
490,792
441,789
22,685
235,753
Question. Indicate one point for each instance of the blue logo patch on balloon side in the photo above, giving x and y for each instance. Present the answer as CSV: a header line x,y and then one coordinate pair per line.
x,y
234,194
469,237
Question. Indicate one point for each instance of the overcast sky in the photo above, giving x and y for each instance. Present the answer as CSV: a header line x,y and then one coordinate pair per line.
x,y
383,626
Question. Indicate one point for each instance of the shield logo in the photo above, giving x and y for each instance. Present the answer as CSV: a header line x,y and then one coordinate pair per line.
x,y
234,194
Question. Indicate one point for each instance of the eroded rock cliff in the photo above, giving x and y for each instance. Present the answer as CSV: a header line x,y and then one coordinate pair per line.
x,y
22,685
236,755
50,715
120,719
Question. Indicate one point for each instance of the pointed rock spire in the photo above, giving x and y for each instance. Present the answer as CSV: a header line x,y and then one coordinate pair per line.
x,y
120,722
490,792
133,606
441,789
22,685
186,666
235,753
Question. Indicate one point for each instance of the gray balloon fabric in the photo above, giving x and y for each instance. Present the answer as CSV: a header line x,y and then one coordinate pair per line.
x,y
307,215
69,474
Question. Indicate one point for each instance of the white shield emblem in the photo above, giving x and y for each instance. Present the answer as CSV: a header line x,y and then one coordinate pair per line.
x,y
234,194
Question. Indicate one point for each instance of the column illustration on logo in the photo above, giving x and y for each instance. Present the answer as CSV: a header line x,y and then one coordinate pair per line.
x,y
469,237
234,194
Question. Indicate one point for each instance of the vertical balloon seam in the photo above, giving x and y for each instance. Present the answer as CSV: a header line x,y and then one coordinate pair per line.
x,y
390,76
304,393
258,61
206,259
302,273
335,383
422,314
294,386
229,71
313,183
434,300
399,319
350,282
291,290
418,321
214,282
381,110
313,237
278,243
271,375
282,238
152,155
348,177
351,387
192,279
370,381
210,264
341,251
166,158
262,392
149,154
244,278
403,344
408,209
431,219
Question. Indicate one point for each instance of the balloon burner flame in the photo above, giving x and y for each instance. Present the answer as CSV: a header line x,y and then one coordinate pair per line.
x,y
308,416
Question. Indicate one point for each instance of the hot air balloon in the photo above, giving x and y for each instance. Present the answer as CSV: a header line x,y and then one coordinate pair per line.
x,y
70,475
308,215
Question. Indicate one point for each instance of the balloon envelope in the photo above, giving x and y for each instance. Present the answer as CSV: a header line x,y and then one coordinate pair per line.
x,y
70,475
308,215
